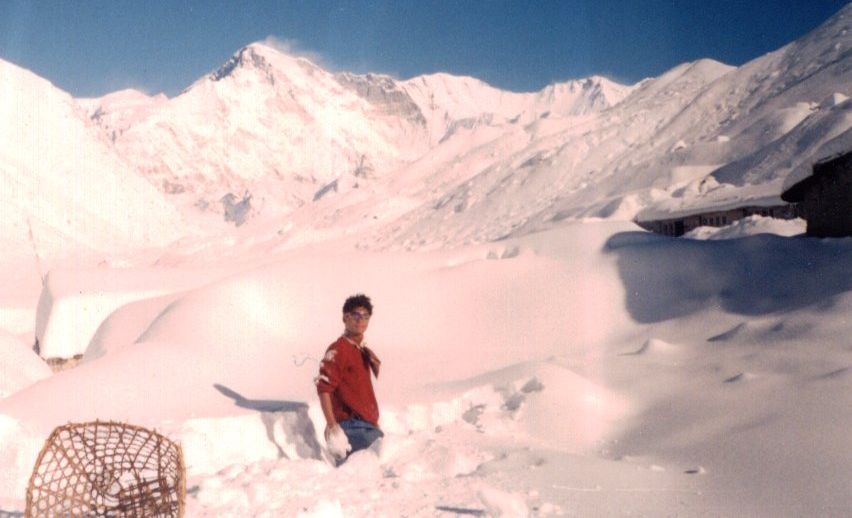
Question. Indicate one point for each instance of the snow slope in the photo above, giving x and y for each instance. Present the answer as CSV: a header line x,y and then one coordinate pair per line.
x,y
19,365
589,369
477,163
482,163
304,144
118,111
64,186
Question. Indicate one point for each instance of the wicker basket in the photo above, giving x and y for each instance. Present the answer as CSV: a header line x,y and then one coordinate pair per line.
x,y
107,469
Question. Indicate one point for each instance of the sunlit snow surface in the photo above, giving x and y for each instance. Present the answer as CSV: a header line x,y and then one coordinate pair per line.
x,y
593,369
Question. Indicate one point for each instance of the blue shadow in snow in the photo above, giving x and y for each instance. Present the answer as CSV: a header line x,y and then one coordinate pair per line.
x,y
291,417
261,405
668,278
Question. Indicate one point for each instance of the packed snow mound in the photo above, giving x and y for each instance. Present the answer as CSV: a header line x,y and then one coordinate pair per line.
x,y
20,366
547,401
74,302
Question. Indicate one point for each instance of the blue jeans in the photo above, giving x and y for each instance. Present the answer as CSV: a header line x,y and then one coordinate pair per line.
x,y
360,433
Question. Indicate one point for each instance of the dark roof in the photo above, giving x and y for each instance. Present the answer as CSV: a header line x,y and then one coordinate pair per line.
x,y
827,167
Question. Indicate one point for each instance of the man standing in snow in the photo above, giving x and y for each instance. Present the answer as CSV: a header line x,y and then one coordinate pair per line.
x,y
344,385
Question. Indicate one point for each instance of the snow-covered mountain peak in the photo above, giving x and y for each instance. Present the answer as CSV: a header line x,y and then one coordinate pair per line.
x,y
123,97
704,71
581,96
283,133
442,81
267,61
448,101
252,57
464,97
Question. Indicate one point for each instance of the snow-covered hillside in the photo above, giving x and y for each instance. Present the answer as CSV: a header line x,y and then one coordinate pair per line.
x,y
274,125
64,186
120,110
290,133
449,101
475,163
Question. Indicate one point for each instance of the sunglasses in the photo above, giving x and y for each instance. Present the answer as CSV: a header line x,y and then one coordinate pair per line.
x,y
357,315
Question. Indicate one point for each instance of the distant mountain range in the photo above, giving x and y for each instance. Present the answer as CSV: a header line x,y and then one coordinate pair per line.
x,y
430,161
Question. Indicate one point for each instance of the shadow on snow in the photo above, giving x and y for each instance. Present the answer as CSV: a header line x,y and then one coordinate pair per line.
x,y
667,278
296,424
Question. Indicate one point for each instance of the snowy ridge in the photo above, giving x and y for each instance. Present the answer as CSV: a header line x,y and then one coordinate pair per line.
x,y
268,123
448,99
64,183
455,160
118,111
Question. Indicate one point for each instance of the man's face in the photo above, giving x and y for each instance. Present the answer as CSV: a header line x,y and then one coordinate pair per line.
x,y
357,320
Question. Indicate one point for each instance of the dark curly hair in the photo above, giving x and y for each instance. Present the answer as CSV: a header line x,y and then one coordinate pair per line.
x,y
358,301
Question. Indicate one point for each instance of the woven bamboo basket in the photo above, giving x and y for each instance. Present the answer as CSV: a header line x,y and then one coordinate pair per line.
x,y
107,469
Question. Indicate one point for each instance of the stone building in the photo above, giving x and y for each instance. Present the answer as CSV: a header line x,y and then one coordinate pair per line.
x,y
825,197
678,225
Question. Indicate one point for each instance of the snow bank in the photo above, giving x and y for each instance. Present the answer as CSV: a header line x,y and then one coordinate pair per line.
x,y
547,402
73,303
17,320
19,449
19,365
212,444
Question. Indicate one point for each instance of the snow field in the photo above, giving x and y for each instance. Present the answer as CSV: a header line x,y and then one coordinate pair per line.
x,y
587,369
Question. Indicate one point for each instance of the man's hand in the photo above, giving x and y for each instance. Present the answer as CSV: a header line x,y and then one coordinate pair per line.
x,y
336,441
331,429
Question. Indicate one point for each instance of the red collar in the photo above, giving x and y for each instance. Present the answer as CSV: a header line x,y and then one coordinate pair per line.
x,y
353,342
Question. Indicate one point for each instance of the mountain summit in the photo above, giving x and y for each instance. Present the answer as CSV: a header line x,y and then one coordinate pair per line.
x,y
275,123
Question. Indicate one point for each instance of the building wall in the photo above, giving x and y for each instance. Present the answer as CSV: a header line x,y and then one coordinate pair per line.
x,y
828,205
679,226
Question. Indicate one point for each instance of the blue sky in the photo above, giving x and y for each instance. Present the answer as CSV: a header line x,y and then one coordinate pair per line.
x,y
93,47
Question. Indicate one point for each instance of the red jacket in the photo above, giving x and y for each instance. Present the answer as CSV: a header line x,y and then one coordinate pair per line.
x,y
345,374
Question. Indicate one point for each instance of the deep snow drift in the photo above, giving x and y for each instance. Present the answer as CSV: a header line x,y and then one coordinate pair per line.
x,y
589,370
